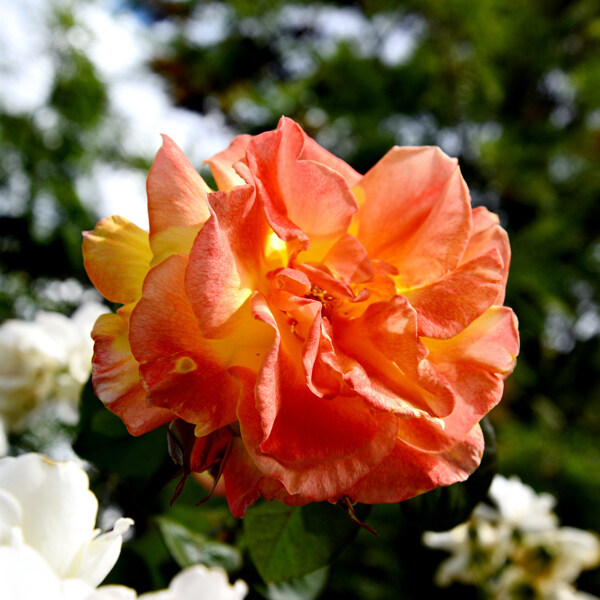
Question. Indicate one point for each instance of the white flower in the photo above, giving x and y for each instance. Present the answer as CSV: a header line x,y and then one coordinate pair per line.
x,y
3,438
49,548
48,545
476,552
193,583
44,364
112,592
519,506
567,592
574,550
557,555
200,583
516,547
516,582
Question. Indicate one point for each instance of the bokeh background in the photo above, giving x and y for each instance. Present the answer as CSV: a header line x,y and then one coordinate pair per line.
x,y
512,89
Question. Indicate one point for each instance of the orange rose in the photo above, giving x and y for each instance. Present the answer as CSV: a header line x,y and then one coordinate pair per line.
x,y
329,335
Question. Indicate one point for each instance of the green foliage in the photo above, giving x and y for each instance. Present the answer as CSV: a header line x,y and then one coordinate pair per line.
x,y
289,542
190,548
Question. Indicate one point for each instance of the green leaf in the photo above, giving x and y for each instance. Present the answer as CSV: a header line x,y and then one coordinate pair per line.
x,y
447,507
289,542
189,548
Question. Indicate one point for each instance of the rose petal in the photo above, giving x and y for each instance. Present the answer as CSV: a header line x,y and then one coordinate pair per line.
x,y
116,376
488,234
176,201
322,367
349,259
387,362
114,368
180,369
357,440
416,213
116,256
224,263
221,164
245,483
474,364
315,152
291,281
322,278
450,304
302,198
291,447
241,480
490,342
139,418
407,472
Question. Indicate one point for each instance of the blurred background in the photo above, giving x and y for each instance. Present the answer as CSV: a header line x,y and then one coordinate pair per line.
x,y
510,89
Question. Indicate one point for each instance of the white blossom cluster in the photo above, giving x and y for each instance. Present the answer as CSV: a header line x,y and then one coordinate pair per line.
x,y
44,365
49,548
515,548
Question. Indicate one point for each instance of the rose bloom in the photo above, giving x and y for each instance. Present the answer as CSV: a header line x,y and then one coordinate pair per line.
x,y
328,335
